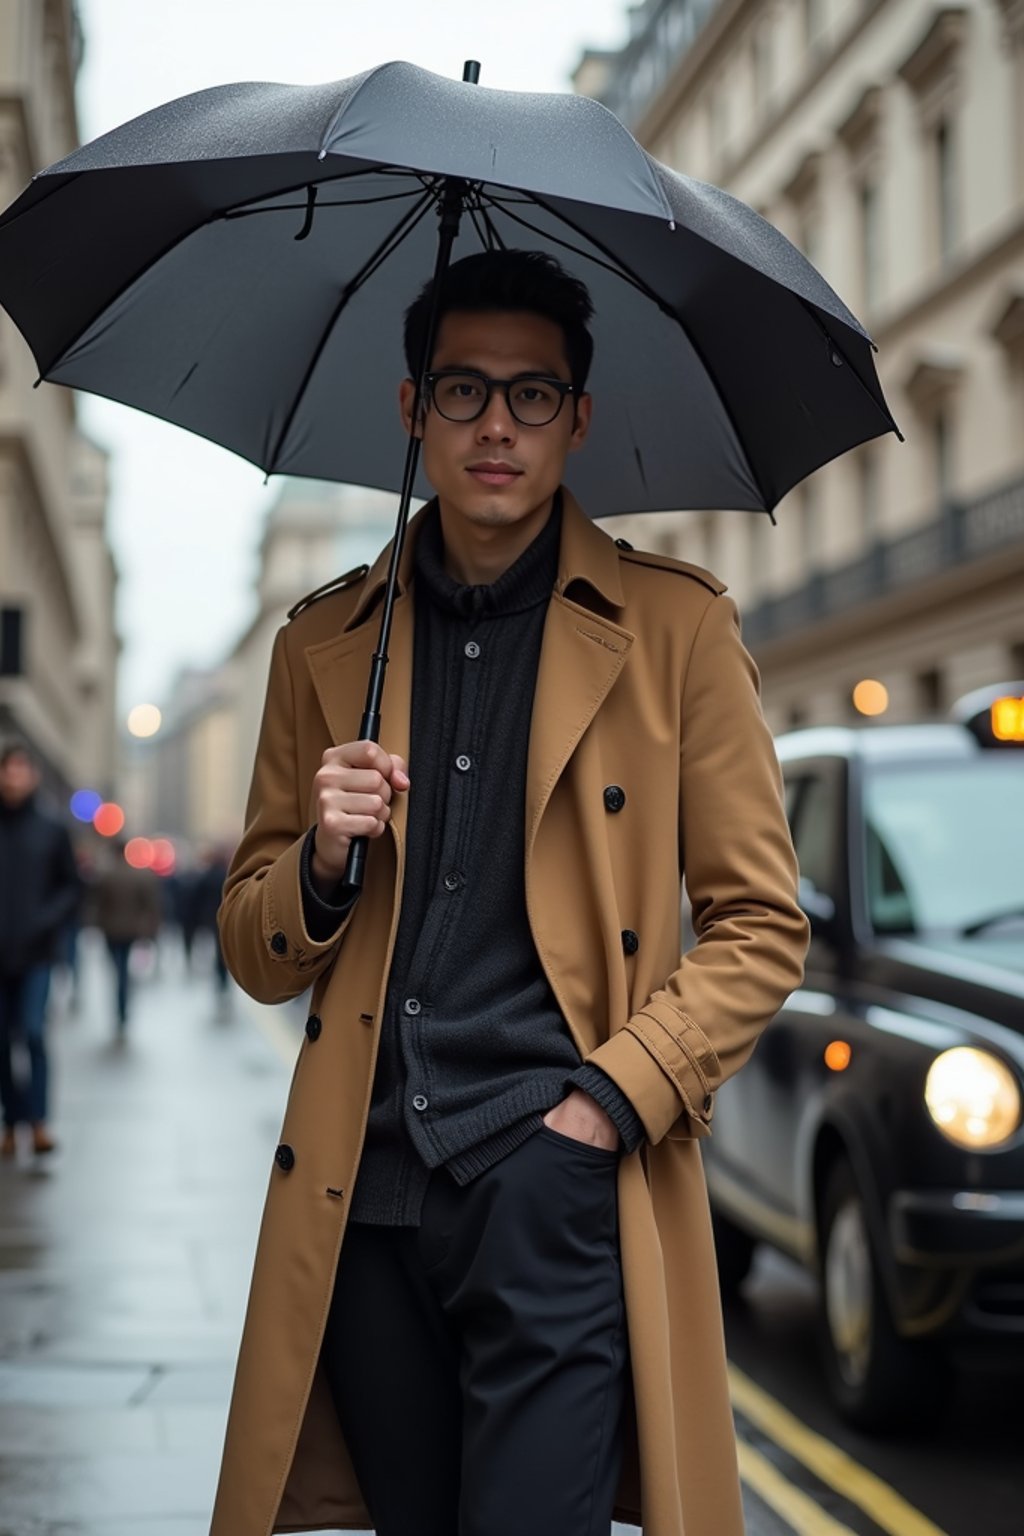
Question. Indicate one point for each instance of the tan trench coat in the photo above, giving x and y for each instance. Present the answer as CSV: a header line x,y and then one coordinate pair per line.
x,y
643,682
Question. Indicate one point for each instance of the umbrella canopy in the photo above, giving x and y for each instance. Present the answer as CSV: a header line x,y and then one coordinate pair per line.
x,y
238,261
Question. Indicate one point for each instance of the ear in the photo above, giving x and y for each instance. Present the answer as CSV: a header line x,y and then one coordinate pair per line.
x,y
406,401
581,422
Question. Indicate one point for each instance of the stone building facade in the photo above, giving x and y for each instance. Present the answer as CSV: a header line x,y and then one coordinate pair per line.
x,y
191,782
886,139
58,645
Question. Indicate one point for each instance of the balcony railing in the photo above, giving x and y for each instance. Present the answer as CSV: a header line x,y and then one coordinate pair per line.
x,y
668,30
960,533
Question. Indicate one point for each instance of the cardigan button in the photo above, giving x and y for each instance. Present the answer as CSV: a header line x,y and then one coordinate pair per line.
x,y
630,941
313,1027
279,944
284,1157
614,798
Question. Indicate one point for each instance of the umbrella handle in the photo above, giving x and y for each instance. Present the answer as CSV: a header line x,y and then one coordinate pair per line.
x,y
355,865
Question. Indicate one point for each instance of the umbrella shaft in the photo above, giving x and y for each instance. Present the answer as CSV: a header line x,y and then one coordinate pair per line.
x,y
451,206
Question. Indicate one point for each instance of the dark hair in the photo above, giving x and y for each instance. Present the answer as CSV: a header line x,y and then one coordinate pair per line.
x,y
524,282
15,749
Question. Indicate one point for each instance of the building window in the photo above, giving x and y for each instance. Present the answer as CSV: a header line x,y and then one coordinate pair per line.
x,y
867,493
946,190
814,22
810,524
942,453
934,72
870,242
764,65
719,120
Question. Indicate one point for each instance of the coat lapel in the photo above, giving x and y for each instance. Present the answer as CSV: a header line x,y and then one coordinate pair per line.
x,y
581,656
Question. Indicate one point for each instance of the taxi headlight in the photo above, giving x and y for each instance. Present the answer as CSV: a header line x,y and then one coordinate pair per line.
x,y
972,1097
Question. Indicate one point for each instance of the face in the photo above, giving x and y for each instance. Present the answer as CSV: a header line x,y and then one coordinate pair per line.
x,y
18,779
493,471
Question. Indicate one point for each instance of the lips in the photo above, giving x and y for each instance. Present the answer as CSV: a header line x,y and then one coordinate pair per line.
x,y
494,473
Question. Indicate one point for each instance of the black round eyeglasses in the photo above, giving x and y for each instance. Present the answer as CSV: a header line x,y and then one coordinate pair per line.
x,y
462,395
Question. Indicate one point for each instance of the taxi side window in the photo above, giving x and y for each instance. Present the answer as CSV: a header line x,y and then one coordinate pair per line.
x,y
814,817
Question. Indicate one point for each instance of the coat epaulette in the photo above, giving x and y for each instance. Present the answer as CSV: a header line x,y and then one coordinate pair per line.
x,y
337,585
667,563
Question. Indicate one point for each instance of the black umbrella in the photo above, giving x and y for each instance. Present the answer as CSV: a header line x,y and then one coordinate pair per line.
x,y
237,262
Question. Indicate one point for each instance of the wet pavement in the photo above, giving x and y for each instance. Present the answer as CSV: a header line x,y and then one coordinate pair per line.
x,y
124,1260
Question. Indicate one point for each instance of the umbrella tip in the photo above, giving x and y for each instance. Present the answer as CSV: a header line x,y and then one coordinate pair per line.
x,y
471,72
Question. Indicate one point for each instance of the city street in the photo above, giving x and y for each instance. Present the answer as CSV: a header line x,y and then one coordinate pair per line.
x,y
123,1269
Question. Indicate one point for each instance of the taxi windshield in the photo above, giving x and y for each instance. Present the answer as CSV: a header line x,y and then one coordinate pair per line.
x,y
945,846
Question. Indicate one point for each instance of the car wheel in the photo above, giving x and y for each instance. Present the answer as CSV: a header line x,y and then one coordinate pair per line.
x,y
877,1379
734,1251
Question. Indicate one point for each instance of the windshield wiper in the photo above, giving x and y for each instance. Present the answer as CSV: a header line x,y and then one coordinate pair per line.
x,y
992,921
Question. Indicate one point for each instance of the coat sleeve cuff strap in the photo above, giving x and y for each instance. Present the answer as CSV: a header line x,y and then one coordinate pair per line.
x,y
661,1079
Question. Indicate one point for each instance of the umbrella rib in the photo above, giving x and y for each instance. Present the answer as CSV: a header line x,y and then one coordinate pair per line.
x,y
612,266
348,202
224,213
386,248
836,351
623,271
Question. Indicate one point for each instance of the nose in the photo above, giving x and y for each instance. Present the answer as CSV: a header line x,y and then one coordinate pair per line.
x,y
496,424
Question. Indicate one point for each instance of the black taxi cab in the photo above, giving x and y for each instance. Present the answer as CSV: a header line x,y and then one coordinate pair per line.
x,y
877,1134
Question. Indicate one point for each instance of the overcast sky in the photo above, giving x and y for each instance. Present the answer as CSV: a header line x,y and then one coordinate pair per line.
x,y
185,516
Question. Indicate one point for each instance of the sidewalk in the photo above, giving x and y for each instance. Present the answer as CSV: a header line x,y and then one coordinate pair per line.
x,y
124,1261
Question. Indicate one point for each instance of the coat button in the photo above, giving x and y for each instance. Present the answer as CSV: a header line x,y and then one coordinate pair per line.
x,y
279,944
624,544
614,798
284,1157
420,1102
452,880
472,649
313,1027
412,1006
630,941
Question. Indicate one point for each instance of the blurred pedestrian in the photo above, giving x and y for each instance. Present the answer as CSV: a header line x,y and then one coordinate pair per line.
x,y
187,902
128,910
207,890
504,1050
39,892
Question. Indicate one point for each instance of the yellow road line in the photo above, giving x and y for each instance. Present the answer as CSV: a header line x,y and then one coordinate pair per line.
x,y
797,1508
886,1507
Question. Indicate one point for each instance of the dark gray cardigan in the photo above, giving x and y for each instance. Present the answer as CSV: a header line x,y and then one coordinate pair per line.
x,y
474,1049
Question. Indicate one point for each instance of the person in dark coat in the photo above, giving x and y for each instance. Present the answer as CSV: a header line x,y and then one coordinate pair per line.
x,y
39,893
128,909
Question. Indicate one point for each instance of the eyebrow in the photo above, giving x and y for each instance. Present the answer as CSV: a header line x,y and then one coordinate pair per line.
x,y
520,373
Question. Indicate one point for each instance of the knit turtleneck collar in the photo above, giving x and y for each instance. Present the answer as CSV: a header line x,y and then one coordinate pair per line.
x,y
525,584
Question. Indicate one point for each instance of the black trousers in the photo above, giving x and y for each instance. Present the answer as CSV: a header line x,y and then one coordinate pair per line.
x,y
478,1362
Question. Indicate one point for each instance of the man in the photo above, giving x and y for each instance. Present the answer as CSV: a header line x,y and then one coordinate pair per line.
x,y
128,911
39,892
485,1300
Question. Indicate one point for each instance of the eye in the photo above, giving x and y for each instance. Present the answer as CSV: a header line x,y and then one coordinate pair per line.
x,y
534,392
460,389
